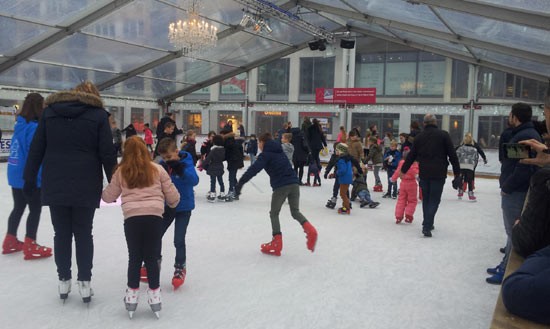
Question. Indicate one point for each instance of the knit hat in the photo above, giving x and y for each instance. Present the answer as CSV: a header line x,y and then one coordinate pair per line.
x,y
342,148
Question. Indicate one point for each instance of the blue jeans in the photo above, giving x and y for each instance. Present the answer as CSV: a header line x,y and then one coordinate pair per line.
x,y
180,230
431,197
512,205
392,186
364,195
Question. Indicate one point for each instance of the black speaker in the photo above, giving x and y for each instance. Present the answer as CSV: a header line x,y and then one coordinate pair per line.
x,y
347,44
314,45
322,45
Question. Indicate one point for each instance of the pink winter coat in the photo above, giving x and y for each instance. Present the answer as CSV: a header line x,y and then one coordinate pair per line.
x,y
408,191
148,136
143,201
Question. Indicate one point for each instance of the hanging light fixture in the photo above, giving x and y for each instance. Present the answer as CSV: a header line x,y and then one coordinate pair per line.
x,y
194,35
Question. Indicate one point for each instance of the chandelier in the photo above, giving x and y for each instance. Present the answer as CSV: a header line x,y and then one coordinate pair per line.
x,y
194,35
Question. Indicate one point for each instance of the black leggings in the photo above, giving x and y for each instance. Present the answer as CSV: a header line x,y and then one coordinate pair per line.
x,y
299,169
19,204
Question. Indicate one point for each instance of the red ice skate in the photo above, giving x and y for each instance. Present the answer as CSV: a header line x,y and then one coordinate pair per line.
x,y
378,188
274,247
179,277
11,244
398,220
344,211
409,218
311,236
32,250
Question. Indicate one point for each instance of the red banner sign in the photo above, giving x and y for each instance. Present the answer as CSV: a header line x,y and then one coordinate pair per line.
x,y
345,95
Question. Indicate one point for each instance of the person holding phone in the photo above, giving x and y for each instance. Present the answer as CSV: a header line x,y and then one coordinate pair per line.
x,y
514,180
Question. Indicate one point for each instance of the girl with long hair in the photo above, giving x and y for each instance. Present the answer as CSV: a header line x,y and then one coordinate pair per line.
x,y
145,187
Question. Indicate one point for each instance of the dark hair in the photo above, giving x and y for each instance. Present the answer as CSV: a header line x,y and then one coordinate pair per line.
x,y
211,133
415,125
352,133
166,144
252,135
522,111
217,140
32,107
169,124
265,137
146,125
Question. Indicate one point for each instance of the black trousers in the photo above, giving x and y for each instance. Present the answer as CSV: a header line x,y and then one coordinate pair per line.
x,y
143,237
19,204
68,222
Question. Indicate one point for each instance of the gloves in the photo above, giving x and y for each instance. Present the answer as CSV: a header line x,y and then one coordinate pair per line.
x,y
457,181
29,188
176,166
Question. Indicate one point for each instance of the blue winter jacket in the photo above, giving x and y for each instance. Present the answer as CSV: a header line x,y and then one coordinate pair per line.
x,y
343,170
185,182
275,163
20,145
515,176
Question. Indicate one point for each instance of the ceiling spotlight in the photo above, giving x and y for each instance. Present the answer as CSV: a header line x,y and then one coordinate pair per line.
x,y
246,21
347,44
314,45
322,45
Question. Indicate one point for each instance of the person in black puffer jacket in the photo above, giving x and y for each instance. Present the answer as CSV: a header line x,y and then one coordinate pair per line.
x,y
299,157
74,145
234,155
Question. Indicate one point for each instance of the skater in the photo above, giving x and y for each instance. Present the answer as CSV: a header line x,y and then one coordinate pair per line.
x,y
284,182
251,148
167,132
288,148
130,131
234,155
214,168
299,157
375,156
468,157
189,145
205,149
344,173
181,169
408,191
72,179
391,159
148,138
361,191
145,187
117,137
313,170
25,127
331,203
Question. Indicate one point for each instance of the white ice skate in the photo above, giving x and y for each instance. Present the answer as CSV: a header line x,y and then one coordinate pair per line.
x,y
86,291
131,301
154,301
64,289
221,196
211,197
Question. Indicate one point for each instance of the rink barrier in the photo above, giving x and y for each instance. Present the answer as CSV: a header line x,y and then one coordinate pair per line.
x,y
502,319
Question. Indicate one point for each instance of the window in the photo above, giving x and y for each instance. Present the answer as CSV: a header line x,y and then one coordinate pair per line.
x,y
459,80
420,119
385,122
489,130
234,87
273,80
369,71
137,118
431,74
456,129
193,121
400,77
315,72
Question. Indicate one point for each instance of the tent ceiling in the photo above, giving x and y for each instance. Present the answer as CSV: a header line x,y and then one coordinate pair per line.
x,y
125,44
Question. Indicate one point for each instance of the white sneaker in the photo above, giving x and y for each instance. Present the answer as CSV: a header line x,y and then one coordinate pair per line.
x,y
86,291
154,300
131,300
64,288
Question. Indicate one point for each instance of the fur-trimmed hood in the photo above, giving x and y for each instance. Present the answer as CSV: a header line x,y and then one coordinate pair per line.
x,y
72,103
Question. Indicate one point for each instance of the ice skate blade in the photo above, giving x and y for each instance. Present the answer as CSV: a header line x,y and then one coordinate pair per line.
x,y
130,314
157,314
30,257
272,253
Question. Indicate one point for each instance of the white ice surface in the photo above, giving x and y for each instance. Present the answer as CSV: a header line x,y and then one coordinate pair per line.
x,y
366,272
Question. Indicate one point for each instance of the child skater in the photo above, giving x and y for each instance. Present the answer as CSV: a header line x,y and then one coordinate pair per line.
x,y
214,168
313,171
468,157
284,182
375,156
145,188
391,159
288,148
344,173
25,127
205,149
361,191
331,203
148,138
251,148
180,167
406,203
189,145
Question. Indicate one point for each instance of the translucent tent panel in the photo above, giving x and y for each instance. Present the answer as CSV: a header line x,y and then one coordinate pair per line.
x,y
144,23
14,34
226,12
187,70
513,62
286,33
50,12
37,75
400,11
530,5
432,42
87,51
508,34
371,27
315,19
144,87
241,49
337,3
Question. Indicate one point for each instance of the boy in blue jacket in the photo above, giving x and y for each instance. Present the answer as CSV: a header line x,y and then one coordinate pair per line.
x,y
284,183
181,168
344,173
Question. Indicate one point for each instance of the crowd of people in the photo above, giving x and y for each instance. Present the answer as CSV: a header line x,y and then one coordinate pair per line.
x,y
50,154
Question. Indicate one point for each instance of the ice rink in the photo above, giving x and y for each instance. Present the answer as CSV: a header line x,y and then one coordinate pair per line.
x,y
366,272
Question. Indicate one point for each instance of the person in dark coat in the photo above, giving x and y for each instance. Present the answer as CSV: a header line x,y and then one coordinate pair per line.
x,y
74,145
169,117
433,149
285,186
526,292
214,167
316,141
234,155
130,131
299,157
241,131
